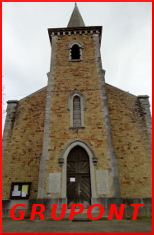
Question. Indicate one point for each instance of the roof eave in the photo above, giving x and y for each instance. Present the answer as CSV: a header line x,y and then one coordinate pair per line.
x,y
60,31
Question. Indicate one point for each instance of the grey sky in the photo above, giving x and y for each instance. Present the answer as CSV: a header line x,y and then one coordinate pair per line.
x,y
126,47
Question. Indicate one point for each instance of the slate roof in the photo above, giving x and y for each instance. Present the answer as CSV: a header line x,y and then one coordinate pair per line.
x,y
46,87
76,19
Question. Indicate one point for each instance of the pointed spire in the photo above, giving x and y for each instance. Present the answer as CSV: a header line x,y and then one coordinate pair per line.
x,y
76,19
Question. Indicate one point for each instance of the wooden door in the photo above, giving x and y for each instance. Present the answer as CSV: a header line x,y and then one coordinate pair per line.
x,y
78,178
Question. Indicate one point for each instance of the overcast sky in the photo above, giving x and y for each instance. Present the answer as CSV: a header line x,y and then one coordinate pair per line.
x,y
126,47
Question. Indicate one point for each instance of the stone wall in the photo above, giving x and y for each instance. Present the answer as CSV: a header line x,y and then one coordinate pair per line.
x,y
68,77
26,135
24,144
144,211
132,143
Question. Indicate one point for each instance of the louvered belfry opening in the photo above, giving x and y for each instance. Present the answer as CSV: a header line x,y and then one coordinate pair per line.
x,y
75,52
78,178
76,111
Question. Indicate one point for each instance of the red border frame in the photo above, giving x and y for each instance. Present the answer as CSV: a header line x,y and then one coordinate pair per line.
x,y
1,116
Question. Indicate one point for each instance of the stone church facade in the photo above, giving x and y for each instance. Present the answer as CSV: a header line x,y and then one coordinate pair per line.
x,y
79,139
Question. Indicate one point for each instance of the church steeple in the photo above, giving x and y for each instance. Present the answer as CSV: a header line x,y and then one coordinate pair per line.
x,y
76,19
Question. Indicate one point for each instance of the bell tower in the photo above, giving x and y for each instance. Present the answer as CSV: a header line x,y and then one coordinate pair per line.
x,y
78,163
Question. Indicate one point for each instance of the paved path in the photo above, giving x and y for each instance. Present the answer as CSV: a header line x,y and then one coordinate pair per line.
x,y
100,226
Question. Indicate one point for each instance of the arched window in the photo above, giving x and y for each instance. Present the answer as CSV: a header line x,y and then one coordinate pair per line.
x,y
76,106
75,53
76,111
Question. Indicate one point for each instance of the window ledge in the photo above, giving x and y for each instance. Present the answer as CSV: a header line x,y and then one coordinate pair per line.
x,y
77,127
75,60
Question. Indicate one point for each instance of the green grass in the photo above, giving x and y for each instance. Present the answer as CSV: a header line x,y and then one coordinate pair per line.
x,y
141,218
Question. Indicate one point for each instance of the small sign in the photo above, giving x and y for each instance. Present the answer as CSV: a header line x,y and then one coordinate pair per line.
x,y
25,189
23,194
16,193
72,179
16,188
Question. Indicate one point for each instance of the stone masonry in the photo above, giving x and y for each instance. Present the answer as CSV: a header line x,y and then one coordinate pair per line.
x,y
116,131
24,144
132,143
83,77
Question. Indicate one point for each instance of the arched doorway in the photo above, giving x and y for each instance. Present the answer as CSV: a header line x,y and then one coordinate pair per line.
x,y
78,178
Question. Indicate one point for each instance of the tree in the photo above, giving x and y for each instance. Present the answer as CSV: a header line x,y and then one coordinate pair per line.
x,y
3,102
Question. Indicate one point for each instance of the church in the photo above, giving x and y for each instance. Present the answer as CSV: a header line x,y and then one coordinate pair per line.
x,y
78,140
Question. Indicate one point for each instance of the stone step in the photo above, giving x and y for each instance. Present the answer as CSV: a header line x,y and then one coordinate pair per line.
x,y
79,217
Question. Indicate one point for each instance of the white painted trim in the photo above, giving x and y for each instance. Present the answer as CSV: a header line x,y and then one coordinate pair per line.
x,y
65,154
69,48
75,43
47,123
70,106
110,150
